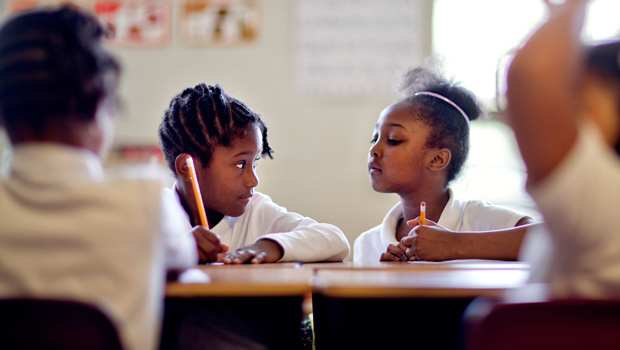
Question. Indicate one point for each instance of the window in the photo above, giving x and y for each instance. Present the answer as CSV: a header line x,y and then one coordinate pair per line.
x,y
474,38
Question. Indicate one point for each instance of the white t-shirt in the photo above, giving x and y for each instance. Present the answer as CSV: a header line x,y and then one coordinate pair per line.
x,y
302,238
71,231
458,215
580,201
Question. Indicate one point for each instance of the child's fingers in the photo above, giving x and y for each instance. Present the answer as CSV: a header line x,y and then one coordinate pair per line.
x,y
397,252
239,256
403,248
221,256
207,250
416,222
259,258
209,235
409,243
389,257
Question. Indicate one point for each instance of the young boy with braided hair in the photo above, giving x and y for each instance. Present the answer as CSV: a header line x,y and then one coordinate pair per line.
x,y
226,139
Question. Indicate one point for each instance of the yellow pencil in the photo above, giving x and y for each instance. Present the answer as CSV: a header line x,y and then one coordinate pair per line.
x,y
422,212
192,176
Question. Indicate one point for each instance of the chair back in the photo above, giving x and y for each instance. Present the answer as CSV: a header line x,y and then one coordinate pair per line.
x,y
55,324
562,324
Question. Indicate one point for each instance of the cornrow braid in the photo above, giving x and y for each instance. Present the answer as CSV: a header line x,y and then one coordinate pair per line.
x,y
202,118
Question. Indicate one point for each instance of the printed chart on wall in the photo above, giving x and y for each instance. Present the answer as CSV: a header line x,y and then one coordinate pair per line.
x,y
355,48
16,6
218,22
132,23
136,23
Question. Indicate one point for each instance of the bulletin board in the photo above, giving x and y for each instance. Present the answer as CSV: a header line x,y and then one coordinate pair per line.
x,y
356,48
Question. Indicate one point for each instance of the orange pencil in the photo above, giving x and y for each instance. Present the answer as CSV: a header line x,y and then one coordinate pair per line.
x,y
192,176
422,212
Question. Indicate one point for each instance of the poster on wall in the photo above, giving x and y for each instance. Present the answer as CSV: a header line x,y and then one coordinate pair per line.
x,y
136,23
218,22
15,6
133,23
356,48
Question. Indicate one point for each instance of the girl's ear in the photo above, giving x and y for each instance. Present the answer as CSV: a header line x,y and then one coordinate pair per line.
x,y
180,165
440,160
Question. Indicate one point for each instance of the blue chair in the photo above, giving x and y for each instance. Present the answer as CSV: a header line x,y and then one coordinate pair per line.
x,y
561,324
27,323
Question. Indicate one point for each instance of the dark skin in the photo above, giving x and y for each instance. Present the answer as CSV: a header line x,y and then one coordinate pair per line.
x,y
400,162
93,133
226,185
432,242
90,134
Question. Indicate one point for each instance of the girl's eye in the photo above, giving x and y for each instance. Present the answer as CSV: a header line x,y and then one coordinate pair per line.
x,y
373,140
393,142
241,164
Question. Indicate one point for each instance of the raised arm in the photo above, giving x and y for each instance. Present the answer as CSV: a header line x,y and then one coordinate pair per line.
x,y
542,89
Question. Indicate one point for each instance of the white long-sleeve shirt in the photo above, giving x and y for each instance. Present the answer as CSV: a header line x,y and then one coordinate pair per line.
x,y
68,230
302,238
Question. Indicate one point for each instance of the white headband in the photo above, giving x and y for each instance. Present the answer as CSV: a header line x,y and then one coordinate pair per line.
x,y
443,98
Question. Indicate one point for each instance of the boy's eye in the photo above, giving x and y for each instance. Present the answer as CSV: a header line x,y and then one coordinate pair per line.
x,y
393,142
241,164
373,140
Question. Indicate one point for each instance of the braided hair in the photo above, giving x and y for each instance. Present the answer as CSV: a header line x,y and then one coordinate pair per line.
x,y
202,118
449,128
53,69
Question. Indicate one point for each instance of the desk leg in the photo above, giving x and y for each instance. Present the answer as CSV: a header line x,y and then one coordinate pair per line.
x,y
232,323
387,323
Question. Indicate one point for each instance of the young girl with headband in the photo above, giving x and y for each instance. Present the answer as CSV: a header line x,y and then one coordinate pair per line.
x,y
418,148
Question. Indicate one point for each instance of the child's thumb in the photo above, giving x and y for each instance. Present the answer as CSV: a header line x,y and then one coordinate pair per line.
x,y
413,223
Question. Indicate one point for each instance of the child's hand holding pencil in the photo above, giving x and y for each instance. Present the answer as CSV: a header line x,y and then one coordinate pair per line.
x,y
208,243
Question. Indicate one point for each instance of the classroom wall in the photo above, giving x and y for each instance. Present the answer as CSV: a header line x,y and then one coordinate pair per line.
x,y
320,144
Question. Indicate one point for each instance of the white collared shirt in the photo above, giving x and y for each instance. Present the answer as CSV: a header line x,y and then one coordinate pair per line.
x,y
69,230
458,215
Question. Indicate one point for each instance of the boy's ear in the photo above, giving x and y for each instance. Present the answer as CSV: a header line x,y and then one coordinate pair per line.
x,y
180,166
440,160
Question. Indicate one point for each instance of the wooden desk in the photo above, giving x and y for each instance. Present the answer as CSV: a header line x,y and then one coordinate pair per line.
x,y
352,279
356,305
266,280
262,303
421,281
413,305
419,265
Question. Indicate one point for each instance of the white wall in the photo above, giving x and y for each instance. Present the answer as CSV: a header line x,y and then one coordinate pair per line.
x,y
320,144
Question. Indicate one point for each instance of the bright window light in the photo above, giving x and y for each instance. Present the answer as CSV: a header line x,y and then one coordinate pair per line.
x,y
474,36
